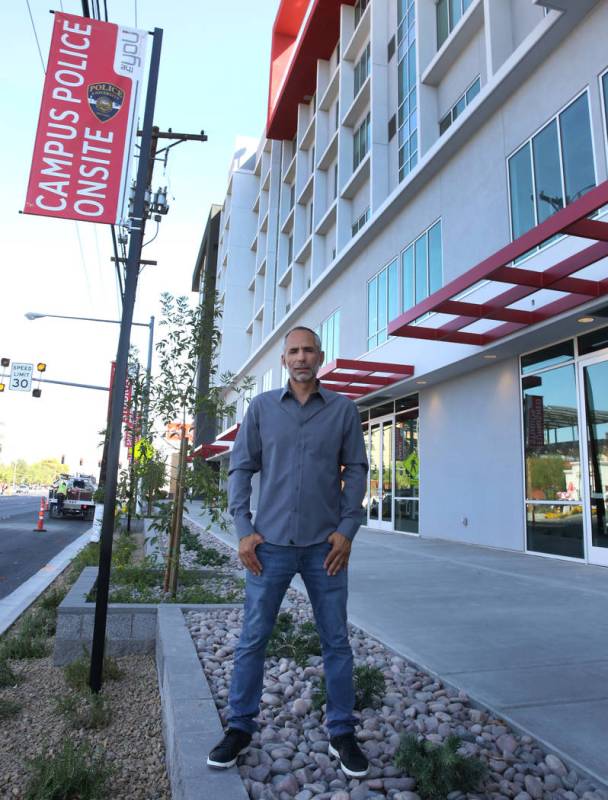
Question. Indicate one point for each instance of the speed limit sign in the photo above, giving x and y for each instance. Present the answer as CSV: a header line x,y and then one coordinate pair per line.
x,y
21,377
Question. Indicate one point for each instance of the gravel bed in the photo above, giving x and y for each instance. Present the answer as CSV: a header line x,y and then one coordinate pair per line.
x,y
132,743
289,754
187,558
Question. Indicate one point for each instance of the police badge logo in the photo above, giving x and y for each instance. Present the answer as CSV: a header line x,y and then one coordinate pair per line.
x,y
105,100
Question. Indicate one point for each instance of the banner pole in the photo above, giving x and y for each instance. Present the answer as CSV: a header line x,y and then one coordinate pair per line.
x,y
122,355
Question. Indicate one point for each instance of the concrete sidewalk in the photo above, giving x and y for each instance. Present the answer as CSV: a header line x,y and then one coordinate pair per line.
x,y
525,636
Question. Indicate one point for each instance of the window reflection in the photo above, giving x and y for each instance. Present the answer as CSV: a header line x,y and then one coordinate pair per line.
x,y
406,472
552,462
596,408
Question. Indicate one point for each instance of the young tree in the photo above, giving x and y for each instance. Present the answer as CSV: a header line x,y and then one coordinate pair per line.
x,y
190,336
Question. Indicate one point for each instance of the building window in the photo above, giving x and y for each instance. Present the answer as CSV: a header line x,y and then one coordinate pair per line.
x,y
406,80
382,303
553,168
360,222
267,381
449,13
361,142
460,105
289,250
362,70
422,267
311,212
360,7
554,519
312,158
329,333
248,396
337,115
292,196
335,180
394,290
604,80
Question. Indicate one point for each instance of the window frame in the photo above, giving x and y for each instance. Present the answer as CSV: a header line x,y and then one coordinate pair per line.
x,y
361,220
359,76
357,157
463,96
401,307
528,143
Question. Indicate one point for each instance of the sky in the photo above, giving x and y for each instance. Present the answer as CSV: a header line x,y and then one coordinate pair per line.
x,y
213,76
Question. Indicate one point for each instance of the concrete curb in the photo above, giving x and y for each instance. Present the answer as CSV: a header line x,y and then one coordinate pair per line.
x,y
14,604
191,725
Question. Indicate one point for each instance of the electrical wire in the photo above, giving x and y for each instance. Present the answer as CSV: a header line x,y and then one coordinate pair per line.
x,y
86,274
27,2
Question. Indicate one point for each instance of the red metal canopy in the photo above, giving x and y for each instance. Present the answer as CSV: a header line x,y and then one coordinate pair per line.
x,y
229,435
208,450
533,295
355,379
293,69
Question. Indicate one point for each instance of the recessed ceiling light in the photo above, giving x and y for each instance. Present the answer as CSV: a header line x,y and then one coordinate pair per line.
x,y
489,355
584,320
420,383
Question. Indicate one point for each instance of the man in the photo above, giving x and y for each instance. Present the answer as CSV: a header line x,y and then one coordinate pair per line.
x,y
61,494
307,444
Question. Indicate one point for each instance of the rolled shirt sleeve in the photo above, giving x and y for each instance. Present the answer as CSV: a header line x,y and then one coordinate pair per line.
x,y
354,475
245,461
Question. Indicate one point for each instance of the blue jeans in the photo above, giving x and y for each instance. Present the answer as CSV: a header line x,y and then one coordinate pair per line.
x,y
263,596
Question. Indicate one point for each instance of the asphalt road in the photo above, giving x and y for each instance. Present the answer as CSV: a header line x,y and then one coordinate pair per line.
x,y
22,551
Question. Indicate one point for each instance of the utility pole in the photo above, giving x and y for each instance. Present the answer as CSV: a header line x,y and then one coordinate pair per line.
x,y
120,378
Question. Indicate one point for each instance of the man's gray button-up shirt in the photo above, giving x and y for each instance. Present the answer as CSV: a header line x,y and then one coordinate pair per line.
x,y
312,464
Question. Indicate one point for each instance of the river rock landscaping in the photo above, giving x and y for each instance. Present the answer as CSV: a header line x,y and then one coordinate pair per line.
x,y
288,757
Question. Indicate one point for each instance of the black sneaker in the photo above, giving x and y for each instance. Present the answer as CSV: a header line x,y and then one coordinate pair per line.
x,y
353,762
225,753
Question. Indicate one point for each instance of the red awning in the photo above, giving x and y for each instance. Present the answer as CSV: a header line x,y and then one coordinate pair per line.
x,y
208,450
532,296
229,435
355,379
293,69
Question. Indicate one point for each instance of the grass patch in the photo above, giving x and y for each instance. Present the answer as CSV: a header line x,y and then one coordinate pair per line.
x,y
22,647
297,642
77,673
7,676
90,711
8,709
438,769
51,600
72,773
141,584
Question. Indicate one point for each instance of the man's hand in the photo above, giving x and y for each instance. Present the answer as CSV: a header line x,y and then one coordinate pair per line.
x,y
338,556
247,554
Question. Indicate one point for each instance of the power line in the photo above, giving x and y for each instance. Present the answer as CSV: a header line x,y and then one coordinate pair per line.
x,y
27,2
82,258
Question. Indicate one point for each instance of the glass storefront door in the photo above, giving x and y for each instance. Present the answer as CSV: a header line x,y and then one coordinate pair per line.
x,y
380,495
406,472
593,393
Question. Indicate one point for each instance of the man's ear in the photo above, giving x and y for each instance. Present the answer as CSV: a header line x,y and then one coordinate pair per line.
x,y
321,357
283,364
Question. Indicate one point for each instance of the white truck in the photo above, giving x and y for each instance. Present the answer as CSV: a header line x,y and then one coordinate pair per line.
x,y
79,500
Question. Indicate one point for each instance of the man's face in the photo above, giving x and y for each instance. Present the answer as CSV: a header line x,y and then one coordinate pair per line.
x,y
301,357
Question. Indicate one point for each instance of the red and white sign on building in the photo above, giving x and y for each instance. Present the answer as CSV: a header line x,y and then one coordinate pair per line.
x,y
88,121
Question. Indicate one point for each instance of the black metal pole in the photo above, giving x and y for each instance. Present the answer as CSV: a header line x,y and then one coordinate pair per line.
x,y
120,378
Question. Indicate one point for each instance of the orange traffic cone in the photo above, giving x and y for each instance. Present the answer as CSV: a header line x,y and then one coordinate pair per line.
x,y
40,525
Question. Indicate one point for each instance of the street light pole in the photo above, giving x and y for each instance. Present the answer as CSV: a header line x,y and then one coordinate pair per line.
x,y
118,392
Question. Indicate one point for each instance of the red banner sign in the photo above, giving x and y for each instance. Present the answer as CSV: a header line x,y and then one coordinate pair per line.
x,y
87,121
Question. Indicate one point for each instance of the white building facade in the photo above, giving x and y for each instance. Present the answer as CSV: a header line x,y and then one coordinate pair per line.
x,y
408,142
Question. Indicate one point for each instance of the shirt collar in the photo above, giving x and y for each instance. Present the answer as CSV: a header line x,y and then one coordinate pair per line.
x,y
322,392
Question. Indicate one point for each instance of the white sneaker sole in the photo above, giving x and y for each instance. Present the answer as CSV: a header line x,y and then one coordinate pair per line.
x,y
225,764
349,772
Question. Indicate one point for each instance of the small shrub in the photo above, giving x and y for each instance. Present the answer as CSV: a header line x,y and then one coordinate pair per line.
x,y
77,673
289,641
369,688
53,598
72,772
7,676
8,709
40,623
90,711
205,556
122,550
438,769
21,647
